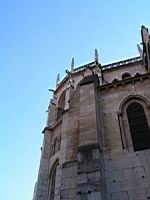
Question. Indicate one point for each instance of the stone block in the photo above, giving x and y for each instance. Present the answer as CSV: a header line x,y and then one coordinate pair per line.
x,y
94,176
129,173
68,194
82,178
94,196
111,165
145,183
69,172
119,196
116,175
132,195
90,166
72,193
57,197
68,183
125,162
140,172
113,187
137,195
89,187
129,185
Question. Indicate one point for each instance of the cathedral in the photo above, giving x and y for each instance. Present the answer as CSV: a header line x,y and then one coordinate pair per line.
x,y
96,143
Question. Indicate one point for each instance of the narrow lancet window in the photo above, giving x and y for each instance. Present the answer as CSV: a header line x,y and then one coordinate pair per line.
x,y
52,183
139,128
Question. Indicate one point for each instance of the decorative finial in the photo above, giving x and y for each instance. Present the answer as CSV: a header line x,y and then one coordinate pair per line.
x,y
146,47
57,79
145,34
96,56
72,64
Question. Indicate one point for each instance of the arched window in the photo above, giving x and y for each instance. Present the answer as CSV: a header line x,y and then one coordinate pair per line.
x,y
138,124
61,105
134,123
126,75
52,182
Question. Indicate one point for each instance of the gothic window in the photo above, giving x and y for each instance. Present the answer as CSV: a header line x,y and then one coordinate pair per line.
x,y
134,123
138,125
61,105
126,75
52,183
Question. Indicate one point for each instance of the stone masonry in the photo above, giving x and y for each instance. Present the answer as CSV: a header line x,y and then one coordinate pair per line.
x,y
92,148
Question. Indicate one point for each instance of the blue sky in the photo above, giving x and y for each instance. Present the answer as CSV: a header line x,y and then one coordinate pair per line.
x,y
38,40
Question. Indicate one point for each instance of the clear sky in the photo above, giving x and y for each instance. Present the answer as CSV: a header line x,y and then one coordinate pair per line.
x,y
37,40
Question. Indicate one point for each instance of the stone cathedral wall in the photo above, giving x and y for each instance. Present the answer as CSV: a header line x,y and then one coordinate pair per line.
x,y
96,142
127,172
87,151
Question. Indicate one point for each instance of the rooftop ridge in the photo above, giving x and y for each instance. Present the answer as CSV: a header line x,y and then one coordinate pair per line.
x,y
104,67
121,63
83,67
75,70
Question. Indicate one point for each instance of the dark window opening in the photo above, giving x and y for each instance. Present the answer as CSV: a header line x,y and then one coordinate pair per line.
x,y
52,183
126,75
139,129
61,105
60,112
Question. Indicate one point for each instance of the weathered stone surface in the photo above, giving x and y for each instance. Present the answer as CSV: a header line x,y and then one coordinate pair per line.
x,y
96,157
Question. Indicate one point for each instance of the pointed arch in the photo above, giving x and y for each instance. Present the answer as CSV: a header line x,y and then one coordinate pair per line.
x,y
139,129
61,104
52,181
134,122
133,97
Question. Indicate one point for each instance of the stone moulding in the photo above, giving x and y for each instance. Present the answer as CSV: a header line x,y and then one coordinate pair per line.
x,y
121,83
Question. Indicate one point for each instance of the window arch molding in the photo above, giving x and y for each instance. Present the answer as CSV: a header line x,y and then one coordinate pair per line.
x,y
123,118
61,104
52,180
61,99
131,98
